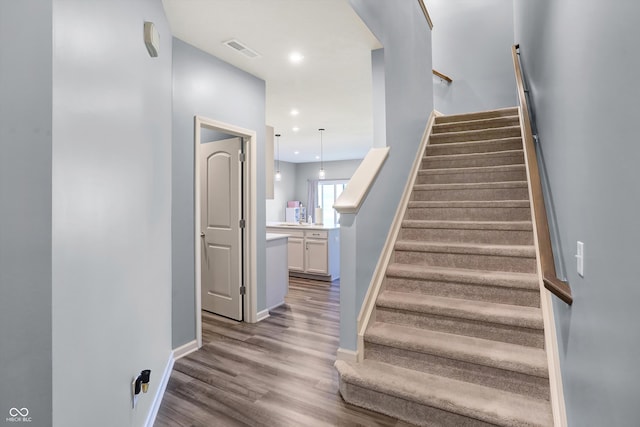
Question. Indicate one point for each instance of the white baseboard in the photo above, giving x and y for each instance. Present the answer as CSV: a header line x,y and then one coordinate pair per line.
x,y
276,305
157,399
347,355
262,315
185,349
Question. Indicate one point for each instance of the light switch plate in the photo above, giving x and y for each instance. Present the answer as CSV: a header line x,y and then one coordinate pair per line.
x,y
580,258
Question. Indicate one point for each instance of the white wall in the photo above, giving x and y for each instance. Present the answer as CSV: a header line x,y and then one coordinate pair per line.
x,y
25,209
111,213
283,191
582,64
472,44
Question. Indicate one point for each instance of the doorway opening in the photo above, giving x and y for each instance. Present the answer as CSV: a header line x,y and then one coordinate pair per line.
x,y
246,202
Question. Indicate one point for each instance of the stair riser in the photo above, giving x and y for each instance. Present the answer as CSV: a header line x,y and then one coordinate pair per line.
x,y
475,147
491,331
448,366
476,124
482,115
471,177
501,295
470,214
470,261
481,135
473,160
506,237
402,409
471,194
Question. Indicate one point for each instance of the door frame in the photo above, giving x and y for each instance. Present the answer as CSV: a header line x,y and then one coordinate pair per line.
x,y
250,243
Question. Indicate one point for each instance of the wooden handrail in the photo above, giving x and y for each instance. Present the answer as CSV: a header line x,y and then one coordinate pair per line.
x,y
442,76
550,279
426,13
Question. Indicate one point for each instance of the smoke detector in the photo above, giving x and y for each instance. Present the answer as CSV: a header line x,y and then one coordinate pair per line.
x,y
240,47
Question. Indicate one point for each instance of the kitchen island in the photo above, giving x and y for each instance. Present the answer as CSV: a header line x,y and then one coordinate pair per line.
x,y
277,271
313,249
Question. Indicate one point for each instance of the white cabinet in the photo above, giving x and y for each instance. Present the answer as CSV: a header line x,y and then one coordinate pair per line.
x,y
296,253
313,253
316,256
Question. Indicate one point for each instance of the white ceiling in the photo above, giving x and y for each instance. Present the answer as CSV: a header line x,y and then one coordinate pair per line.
x,y
331,87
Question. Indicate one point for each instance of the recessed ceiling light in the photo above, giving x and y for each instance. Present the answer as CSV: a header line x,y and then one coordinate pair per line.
x,y
294,112
296,152
295,129
317,157
296,57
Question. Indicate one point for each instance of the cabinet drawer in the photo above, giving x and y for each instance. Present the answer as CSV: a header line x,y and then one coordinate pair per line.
x,y
316,234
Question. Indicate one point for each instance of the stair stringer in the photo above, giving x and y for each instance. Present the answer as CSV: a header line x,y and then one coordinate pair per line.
x,y
548,317
367,311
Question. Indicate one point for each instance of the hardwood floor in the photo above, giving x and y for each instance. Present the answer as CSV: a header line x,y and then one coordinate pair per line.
x,y
278,372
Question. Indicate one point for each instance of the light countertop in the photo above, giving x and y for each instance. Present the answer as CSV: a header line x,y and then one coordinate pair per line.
x,y
286,225
276,236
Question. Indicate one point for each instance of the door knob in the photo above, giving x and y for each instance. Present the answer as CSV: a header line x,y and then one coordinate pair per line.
x,y
202,234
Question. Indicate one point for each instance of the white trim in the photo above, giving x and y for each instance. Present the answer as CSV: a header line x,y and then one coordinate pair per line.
x,y
347,355
162,386
262,315
377,280
185,349
354,194
550,336
250,254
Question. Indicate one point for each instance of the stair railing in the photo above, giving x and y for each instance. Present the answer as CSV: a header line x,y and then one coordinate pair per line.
x,y
442,76
423,6
556,286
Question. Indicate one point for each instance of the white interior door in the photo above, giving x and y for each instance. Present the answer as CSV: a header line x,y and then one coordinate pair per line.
x,y
220,232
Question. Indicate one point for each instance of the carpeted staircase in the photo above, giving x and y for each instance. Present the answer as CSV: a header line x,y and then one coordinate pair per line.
x,y
457,336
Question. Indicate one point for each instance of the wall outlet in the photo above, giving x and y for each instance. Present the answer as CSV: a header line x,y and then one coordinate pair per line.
x,y
580,258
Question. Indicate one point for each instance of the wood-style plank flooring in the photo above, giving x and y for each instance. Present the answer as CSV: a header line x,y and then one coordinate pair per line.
x,y
278,372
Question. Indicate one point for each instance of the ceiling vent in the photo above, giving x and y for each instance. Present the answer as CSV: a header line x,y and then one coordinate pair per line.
x,y
241,48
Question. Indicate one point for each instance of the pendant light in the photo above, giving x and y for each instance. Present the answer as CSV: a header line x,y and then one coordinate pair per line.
x,y
278,174
321,174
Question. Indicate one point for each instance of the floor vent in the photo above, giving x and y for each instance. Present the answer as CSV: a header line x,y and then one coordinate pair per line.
x,y
241,48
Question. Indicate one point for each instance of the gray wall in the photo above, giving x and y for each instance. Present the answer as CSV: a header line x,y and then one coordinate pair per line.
x,y
379,94
295,178
583,69
472,44
25,208
402,29
283,191
111,210
339,169
204,85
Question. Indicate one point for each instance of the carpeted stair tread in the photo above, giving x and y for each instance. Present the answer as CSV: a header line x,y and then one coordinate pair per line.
x,y
476,124
473,169
471,186
496,354
469,204
468,225
479,115
481,311
459,275
465,156
475,135
488,145
520,251
471,400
